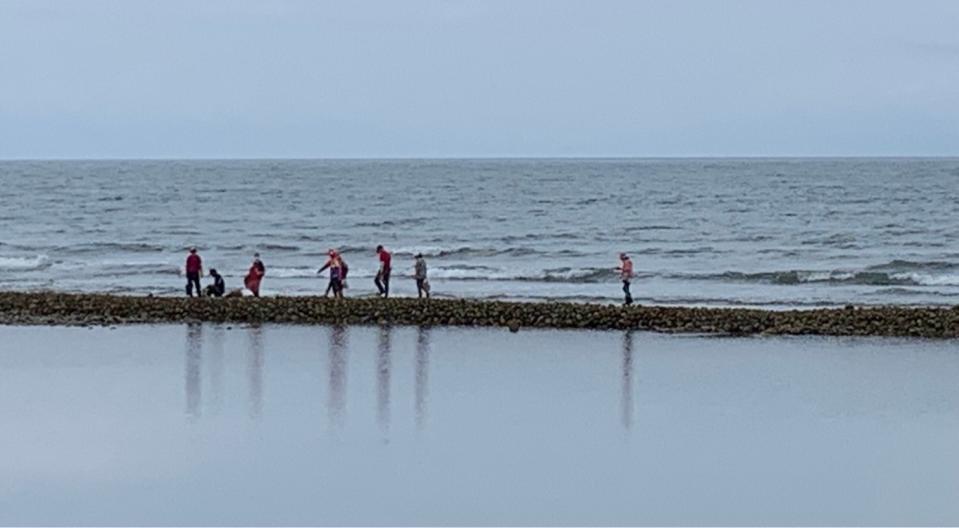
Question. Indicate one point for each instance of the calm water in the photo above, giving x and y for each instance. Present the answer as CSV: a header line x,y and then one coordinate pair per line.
x,y
719,232
365,425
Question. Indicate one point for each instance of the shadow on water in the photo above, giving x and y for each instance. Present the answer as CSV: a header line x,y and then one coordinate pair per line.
x,y
627,396
383,360
337,364
255,370
422,374
193,363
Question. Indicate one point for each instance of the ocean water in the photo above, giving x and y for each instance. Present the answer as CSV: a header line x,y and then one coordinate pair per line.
x,y
287,425
758,232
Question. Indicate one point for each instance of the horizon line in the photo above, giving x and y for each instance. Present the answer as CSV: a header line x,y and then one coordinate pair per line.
x,y
493,158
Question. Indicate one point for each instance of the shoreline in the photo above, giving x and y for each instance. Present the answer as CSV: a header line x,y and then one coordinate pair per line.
x,y
67,309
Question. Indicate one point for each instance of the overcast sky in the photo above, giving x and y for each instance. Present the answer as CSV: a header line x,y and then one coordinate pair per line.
x,y
238,78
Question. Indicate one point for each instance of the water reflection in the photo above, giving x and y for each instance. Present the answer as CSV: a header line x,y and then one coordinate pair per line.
x,y
216,369
193,363
383,378
627,397
422,374
255,370
337,365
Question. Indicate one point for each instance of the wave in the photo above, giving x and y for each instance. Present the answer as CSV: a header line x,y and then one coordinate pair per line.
x,y
111,247
445,251
839,277
34,263
560,275
292,273
912,265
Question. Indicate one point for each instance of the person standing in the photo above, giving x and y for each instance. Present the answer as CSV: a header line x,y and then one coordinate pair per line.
x,y
382,279
419,273
194,268
335,264
626,275
255,275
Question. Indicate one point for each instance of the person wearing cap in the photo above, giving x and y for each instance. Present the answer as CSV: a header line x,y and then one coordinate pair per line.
x,y
255,275
335,264
382,279
419,273
626,275
194,268
218,288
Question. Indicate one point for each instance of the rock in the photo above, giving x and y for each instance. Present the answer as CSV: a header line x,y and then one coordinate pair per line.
x,y
110,311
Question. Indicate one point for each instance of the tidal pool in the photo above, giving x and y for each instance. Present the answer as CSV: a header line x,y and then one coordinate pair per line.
x,y
208,424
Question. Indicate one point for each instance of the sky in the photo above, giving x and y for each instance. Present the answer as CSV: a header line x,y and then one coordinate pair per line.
x,y
314,79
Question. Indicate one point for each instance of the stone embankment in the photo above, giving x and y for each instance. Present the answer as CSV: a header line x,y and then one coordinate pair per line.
x,y
89,309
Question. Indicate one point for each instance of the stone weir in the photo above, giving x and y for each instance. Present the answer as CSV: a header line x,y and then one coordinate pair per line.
x,y
93,309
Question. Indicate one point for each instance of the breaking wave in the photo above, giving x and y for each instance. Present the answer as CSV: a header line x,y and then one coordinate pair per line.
x,y
38,262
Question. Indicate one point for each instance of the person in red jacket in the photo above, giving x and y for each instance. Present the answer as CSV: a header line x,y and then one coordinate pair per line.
x,y
194,268
382,279
255,275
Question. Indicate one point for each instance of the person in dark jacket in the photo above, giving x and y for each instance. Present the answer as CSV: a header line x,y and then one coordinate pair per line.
x,y
218,288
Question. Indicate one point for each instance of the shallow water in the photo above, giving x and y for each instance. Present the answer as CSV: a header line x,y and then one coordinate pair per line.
x,y
211,424
763,232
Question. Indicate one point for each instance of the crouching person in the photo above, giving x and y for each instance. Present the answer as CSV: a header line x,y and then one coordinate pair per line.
x,y
218,288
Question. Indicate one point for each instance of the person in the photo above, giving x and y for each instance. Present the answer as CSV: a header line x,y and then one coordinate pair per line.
x,y
335,264
255,275
419,273
218,288
382,279
344,270
626,275
194,268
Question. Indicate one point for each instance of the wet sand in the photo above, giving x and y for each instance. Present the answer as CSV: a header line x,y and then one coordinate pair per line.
x,y
89,309
345,425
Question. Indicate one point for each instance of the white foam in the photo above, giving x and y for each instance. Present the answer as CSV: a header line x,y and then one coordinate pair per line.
x,y
24,263
927,279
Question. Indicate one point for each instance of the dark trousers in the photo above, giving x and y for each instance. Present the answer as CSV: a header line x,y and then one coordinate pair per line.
x,y
382,282
336,286
629,296
193,279
421,288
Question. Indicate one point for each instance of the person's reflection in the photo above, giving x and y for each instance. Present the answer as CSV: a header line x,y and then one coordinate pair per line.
x,y
194,360
337,366
422,374
627,399
216,370
383,379
255,370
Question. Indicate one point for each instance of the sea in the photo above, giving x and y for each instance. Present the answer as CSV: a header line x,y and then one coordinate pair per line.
x,y
774,233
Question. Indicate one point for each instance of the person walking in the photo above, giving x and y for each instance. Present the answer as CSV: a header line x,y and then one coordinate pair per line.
x,y
419,273
626,275
335,265
194,268
218,288
255,275
382,279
